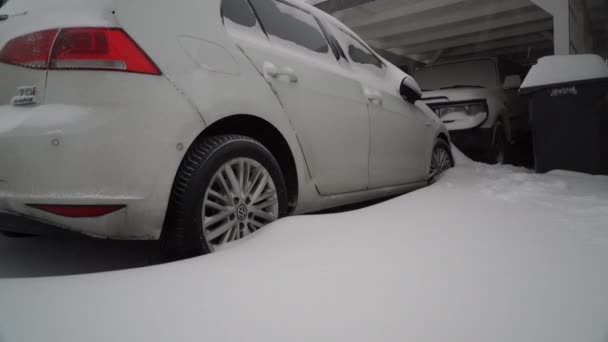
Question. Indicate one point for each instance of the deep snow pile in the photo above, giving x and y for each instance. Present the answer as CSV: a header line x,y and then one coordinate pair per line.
x,y
486,254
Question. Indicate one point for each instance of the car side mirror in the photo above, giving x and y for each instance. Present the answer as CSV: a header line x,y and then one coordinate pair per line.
x,y
410,90
512,82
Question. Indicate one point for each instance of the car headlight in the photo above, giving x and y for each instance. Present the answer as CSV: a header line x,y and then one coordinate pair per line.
x,y
471,109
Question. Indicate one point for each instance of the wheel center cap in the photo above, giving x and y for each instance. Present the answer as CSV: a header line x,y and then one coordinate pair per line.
x,y
241,212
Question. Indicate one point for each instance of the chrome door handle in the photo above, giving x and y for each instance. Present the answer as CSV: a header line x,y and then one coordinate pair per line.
x,y
289,73
271,71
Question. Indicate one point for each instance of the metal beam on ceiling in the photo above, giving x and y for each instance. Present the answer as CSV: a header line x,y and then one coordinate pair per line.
x,y
478,37
497,44
477,25
464,13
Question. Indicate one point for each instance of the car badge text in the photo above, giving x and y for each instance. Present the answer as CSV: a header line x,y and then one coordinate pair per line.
x,y
564,91
25,96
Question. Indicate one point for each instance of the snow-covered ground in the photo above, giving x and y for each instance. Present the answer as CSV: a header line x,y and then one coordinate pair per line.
x,y
486,254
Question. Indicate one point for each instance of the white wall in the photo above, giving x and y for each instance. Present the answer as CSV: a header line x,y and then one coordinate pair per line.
x,y
580,28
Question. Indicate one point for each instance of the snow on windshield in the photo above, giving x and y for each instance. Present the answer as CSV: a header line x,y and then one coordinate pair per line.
x,y
481,73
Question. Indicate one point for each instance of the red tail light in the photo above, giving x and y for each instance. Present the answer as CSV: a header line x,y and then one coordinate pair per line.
x,y
78,49
78,211
99,49
30,51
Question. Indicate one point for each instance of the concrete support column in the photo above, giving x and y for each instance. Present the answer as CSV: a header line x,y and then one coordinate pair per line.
x,y
561,23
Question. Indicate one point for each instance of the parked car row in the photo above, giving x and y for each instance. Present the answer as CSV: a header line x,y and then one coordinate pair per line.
x,y
203,121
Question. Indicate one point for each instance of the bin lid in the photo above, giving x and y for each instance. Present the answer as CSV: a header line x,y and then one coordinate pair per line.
x,y
563,70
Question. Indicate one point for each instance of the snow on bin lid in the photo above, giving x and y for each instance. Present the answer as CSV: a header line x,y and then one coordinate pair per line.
x,y
554,70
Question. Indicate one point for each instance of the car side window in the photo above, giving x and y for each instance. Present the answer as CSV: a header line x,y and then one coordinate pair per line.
x,y
358,54
238,12
333,42
288,24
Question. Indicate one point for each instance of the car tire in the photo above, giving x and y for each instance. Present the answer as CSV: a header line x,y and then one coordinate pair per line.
x,y
499,153
212,171
442,160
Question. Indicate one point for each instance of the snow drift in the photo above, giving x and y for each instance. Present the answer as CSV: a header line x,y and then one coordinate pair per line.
x,y
486,254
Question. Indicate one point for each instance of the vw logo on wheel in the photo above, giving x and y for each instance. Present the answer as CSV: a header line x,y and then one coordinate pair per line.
x,y
241,212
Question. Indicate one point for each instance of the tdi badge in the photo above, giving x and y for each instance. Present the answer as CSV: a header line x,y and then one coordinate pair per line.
x,y
25,96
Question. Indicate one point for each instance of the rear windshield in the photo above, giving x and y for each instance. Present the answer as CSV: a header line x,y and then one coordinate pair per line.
x,y
477,73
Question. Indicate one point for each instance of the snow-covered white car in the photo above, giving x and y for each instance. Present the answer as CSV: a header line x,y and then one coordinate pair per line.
x,y
478,100
198,122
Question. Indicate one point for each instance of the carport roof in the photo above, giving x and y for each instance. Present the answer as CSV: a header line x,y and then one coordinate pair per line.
x,y
438,30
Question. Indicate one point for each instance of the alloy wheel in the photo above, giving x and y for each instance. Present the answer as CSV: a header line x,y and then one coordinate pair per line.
x,y
441,161
240,199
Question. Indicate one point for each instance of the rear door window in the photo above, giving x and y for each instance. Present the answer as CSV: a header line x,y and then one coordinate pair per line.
x,y
237,12
333,42
2,2
240,20
287,24
358,54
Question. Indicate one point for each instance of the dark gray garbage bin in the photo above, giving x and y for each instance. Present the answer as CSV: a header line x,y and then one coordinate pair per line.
x,y
569,113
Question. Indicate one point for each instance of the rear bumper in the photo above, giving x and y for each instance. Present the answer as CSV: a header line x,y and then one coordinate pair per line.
x,y
13,223
98,138
76,155
87,156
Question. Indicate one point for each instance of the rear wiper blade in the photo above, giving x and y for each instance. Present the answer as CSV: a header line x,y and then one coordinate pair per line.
x,y
461,86
3,17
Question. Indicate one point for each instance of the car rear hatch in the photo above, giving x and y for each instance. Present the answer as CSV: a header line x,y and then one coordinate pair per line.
x,y
22,72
